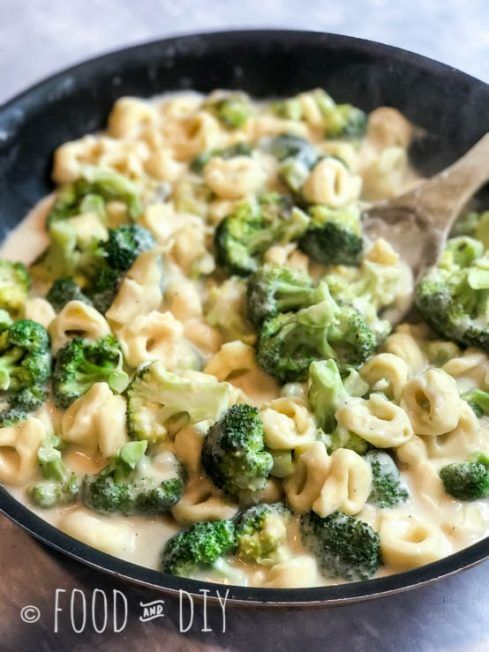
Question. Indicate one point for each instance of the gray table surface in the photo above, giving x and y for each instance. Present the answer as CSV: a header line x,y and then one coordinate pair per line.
x,y
41,36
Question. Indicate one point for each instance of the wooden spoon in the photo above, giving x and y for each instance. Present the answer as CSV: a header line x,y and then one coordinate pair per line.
x,y
418,222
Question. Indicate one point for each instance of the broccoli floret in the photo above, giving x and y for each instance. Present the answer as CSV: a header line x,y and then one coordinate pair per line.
x,y
478,400
233,110
387,490
454,296
290,342
200,161
338,120
135,483
104,287
343,545
467,480
89,194
296,155
260,532
25,366
81,363
59,486
326,392
64,290
345,121
369,288
233,453
226,310
243,236
73,252
198,547
124,245
343,438
283,464
15,282
273,289
288,146
474,225
157,398
334,236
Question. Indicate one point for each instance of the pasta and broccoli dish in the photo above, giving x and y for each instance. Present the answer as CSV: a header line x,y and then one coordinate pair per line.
x,y
198,372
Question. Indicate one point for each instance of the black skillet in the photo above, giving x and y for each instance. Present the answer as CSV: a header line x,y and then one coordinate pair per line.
x,y
452,107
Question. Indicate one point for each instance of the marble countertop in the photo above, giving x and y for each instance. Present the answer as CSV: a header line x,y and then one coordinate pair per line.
x,y
43,36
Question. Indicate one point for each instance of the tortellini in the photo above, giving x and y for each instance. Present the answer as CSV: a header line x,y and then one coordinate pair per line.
x,y
96,420
202,501
39,310
311,469
332,184
18,450
347,486
405,346
77,319
287,425
432,402
156,336
380,422
408,542
234,178
113,537
293,573
387,373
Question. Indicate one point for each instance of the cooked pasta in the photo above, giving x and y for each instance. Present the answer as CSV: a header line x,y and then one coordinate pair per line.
x,y
199,347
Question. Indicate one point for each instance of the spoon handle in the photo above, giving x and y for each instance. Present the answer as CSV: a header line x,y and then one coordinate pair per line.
x,y
439,200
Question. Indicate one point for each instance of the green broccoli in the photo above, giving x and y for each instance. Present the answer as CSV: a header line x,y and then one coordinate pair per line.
x,y
334,236
296,155
157,398
64,290
225,309
59,486
478,400
338,120
474,225
283,464
135,483
242,237
387,490
344,546
233,110
342,438
369,288
89,193
290,342
25,366
124,245
260,532
15,282
103,287
273,289
81,363
73,252
453,297
198,547
233,453
467,480
326,392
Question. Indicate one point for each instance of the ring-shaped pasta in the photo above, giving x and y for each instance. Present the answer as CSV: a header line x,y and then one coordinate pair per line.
x,y
408,542
304,485
386,373
380,422
432,403
77,319
287,425
347,486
